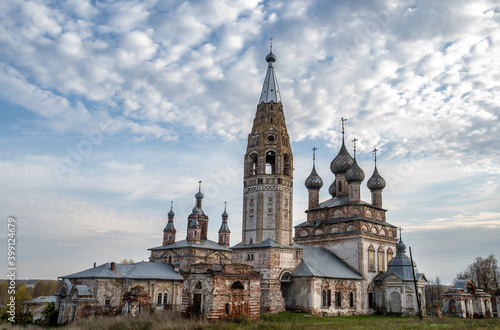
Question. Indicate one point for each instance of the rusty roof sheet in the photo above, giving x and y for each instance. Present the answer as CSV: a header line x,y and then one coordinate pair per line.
x,y
321,262
264,244
317,223
204,244
339,201
140,270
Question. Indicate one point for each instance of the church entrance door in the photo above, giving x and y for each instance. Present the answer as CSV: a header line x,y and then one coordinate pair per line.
x,y
395,302
197,304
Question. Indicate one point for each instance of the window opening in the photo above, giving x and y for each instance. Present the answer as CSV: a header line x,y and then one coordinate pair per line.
x,y
237,286
270,162
371,258
287,165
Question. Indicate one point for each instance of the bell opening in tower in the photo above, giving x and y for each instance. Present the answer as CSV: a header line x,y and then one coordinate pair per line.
x,y
270,162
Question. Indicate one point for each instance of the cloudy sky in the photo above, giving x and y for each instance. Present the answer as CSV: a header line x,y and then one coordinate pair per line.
x,y
110,110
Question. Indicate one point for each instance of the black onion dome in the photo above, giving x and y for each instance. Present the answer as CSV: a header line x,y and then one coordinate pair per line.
x,y
171,214
342,162
271,57
225,215
376,181
355,173
333,188
313,181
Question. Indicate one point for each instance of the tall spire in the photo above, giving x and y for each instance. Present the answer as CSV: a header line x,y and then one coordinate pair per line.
x,y
270,90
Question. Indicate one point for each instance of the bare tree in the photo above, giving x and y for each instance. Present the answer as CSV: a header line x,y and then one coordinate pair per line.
x,y
484,272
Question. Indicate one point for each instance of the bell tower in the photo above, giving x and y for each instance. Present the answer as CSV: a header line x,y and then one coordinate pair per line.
x,y
267,182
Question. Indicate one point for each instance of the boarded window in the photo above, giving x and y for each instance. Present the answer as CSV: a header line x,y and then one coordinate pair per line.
x,y
371,258
287,168
390,255
381,263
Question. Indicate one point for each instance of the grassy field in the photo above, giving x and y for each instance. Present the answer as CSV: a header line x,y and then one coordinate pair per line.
x,y
280,321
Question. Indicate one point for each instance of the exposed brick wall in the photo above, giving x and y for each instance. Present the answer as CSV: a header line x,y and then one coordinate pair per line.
x,y
210,290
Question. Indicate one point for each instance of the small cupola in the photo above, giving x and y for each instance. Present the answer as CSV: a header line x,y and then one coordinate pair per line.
x,y
354,176
224,232
376,183
313,183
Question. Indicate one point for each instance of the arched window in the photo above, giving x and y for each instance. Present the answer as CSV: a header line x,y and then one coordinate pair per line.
x,y
286,277
165,298
381,263
169,259
351,300
270,162
287,168
198,285
339,299
159,300
390,255
252,164
327,298
237,286
63,293
371,258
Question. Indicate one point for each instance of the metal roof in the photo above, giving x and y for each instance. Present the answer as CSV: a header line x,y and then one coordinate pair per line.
x,y
270,90
321,262
140,270
204,244
401,266
42,300
339,201
317,223
264,244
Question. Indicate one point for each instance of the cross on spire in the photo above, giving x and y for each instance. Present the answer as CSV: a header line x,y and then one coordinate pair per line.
x,y
343,130
375,153
225,204
400,230
354,142
271,39
171,205
314,154
199,185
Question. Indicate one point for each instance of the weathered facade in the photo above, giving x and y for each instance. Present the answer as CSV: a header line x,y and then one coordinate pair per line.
x,y
114,289
335,265
465,300
396,291
222,291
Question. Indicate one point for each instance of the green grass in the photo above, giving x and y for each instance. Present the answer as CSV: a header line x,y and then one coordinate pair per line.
x,y
294,321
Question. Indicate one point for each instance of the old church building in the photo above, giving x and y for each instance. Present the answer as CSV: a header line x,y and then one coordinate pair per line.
x,y
345,259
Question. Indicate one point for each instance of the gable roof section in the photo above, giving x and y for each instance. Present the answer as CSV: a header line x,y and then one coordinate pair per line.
x,y
321,262
140,270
